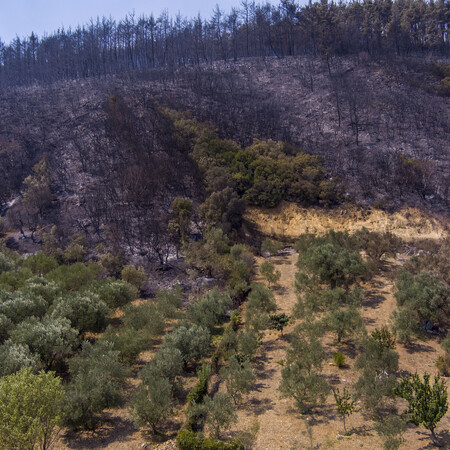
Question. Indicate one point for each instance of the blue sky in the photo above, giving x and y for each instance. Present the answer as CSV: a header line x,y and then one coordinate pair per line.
x,y
21,17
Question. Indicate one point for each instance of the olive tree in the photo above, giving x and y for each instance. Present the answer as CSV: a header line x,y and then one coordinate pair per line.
x,y
30,409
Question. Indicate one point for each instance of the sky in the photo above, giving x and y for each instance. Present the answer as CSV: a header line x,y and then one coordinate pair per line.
x,y
21,17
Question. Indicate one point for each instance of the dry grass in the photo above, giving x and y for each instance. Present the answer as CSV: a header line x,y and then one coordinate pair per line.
x,y
288,221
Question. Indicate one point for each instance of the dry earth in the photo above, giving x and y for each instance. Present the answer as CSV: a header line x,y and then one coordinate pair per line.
x,y
288,221
281,426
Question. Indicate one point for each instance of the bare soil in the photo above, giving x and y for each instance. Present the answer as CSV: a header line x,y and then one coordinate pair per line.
x,y
288,221
282,426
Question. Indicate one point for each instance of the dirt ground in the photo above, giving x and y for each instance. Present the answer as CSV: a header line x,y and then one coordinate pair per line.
x,y
281,426
288,221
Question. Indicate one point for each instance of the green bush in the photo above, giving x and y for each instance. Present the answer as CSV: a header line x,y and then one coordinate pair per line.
x,y
14,357
14,279
339,359
169,301
18,306
30,409
5,326
85,311
52,339
198,392
37,286
40,264
167,362
210,309
235,319
6,263
193,342
189,440
115,293
134,276
152,402
97,383
144,316
74,277
128,342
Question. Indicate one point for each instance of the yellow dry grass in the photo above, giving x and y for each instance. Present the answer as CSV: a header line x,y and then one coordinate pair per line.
x,y
288,221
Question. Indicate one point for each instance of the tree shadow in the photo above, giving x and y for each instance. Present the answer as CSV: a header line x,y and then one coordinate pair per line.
x,y
374,299
113,429
333,380
416,347
443,437
280,290
264,373
260,406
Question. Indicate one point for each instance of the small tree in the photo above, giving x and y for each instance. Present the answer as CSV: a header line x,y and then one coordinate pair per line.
x,y
344,322
272,247
426,404
346,406
52,339
134,276
85,311
238,377
97,383
278,322
384,337
268,271
30,409
377,380
167,362
220,413
193,342
391,429
248,342
152,401
300,377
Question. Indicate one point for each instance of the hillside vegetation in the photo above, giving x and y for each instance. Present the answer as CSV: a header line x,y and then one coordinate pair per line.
x,y
228,233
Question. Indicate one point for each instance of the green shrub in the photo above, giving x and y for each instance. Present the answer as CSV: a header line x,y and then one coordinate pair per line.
x,y
198,392
6,263
169,301
167,362
14,279
128,342
152,401
74,277
37,286
192,341
52,339
18,306
85,311
5,326
339,359
134,276
144,316
210,309
235,319
40,264
115,293
30,409
384,337
189,440
96,384
15,356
